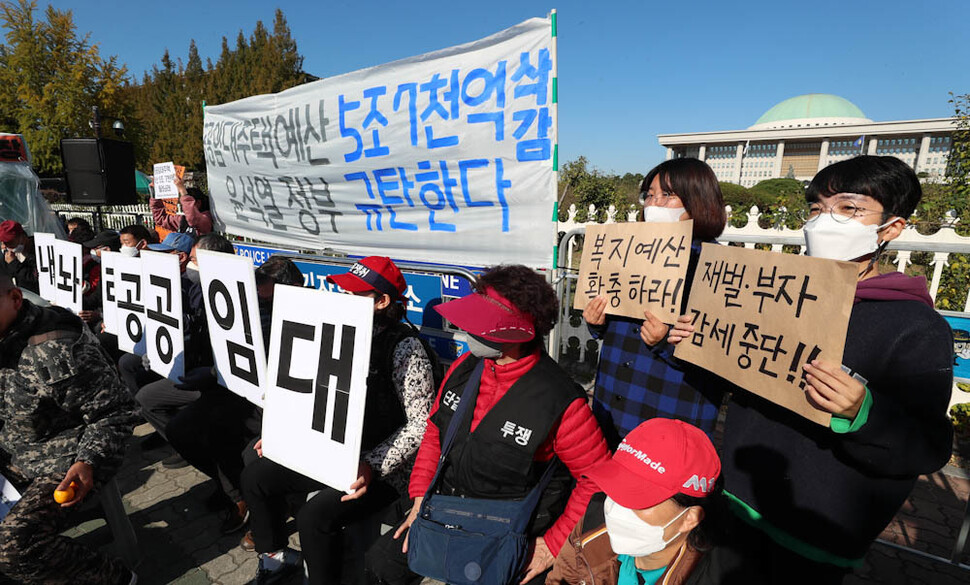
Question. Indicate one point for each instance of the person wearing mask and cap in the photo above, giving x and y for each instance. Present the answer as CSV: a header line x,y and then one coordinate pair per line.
x,y
527,412
400,390
647,525
91,270
806,501
19,261
135,237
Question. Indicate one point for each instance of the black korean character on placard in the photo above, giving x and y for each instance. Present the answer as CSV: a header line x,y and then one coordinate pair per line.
x,y
69,280
594,285
749,341
665,292
237,352
803,294
795,369
45,264
697,338
342,369
109,283
770,344
132,302
712,274
619,251
724,334
615,289
290,331
673,251
733,280
597,254
163,315
765,286
648,249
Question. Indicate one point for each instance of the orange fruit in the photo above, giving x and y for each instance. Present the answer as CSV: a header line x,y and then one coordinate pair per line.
x,y
63,496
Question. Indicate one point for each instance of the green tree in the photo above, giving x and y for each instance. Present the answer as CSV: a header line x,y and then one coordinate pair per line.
x,y
50,78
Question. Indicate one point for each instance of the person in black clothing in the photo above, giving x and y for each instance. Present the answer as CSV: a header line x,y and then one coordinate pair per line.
x,y
400,390
806,501
18,261
211,432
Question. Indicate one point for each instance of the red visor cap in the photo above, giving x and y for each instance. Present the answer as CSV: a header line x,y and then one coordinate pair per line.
x,y
489,316
9,230
659,458
377,273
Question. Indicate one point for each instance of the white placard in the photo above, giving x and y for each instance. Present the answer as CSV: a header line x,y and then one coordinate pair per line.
x,y
163,179
8,497
318,363
235,330
69,280
109,302
129,296
164,330
447,157
46,265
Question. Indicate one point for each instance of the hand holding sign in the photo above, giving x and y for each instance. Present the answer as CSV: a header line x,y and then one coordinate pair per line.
x,y
756,318
164,181
635,267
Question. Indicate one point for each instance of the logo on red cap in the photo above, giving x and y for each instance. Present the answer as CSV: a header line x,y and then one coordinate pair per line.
x,y
642,457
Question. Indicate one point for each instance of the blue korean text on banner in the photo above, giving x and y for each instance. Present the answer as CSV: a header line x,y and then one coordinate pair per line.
x,y
445,157
961,345
258,254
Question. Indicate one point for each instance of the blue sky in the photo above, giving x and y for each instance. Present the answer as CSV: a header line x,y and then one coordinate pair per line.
x,y
627,70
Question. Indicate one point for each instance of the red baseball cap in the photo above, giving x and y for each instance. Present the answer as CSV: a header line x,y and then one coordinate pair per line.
x,y
377,273
490,316
9,230
659,458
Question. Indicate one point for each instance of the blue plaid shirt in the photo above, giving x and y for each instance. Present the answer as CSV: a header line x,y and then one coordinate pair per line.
x,y
636,382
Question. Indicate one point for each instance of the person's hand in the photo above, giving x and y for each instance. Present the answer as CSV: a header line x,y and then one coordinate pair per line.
x,y
681,330
8,255
653,330
403,528
102,327
90,316
180,186
258,447
82,475
540,559
832,390
359,487
595,311
146,362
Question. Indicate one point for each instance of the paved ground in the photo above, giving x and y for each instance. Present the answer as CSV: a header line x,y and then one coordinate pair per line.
x,y
181,543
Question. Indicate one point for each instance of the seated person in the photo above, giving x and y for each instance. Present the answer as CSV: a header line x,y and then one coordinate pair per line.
x,y
65,419
134,238
400,390
520,387
658,487
19,260
211,432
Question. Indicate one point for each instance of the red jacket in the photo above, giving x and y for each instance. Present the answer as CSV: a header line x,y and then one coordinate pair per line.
x,y
576,439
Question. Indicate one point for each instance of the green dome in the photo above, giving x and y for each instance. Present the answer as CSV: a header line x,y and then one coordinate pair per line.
x,y
812,105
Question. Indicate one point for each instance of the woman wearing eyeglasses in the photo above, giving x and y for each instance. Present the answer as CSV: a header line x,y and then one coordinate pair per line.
x,y
807,501
638,376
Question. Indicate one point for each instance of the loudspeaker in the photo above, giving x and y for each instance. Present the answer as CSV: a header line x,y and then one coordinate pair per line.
x,y
98,171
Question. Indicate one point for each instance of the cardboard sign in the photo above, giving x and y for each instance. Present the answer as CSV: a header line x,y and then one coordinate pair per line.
x,y
131,306
109,302
163,178
164,330
67,271
760,316
235,331
636,266
319,357
46,263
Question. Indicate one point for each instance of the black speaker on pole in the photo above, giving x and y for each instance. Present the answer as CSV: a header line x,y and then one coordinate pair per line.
x,y
99,171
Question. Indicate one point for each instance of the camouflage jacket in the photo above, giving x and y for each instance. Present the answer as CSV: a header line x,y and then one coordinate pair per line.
x,y
61,400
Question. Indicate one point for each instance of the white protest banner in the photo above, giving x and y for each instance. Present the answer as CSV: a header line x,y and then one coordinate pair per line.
x,y
164,331
637,266
109,302
760,316
46,265
319,356
131,305
163,180
447,157
67,267
235,331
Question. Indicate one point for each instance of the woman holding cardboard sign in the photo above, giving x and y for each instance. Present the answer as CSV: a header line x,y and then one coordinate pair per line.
x,y
638,376
807,500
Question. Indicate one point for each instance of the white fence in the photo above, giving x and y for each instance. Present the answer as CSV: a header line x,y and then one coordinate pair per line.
x,y
575,342
113,217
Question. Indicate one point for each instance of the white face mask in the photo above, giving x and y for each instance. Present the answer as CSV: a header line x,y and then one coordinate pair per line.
x,y
654,214
192,266
481,349
629,535
827,238
130,251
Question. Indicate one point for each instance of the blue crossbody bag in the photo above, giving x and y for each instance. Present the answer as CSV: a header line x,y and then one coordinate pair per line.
x,y
471,541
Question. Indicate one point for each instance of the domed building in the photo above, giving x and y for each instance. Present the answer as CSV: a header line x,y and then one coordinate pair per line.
x,y
801,135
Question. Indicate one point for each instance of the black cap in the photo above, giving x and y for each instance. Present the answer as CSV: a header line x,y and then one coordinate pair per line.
x,y
109,238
